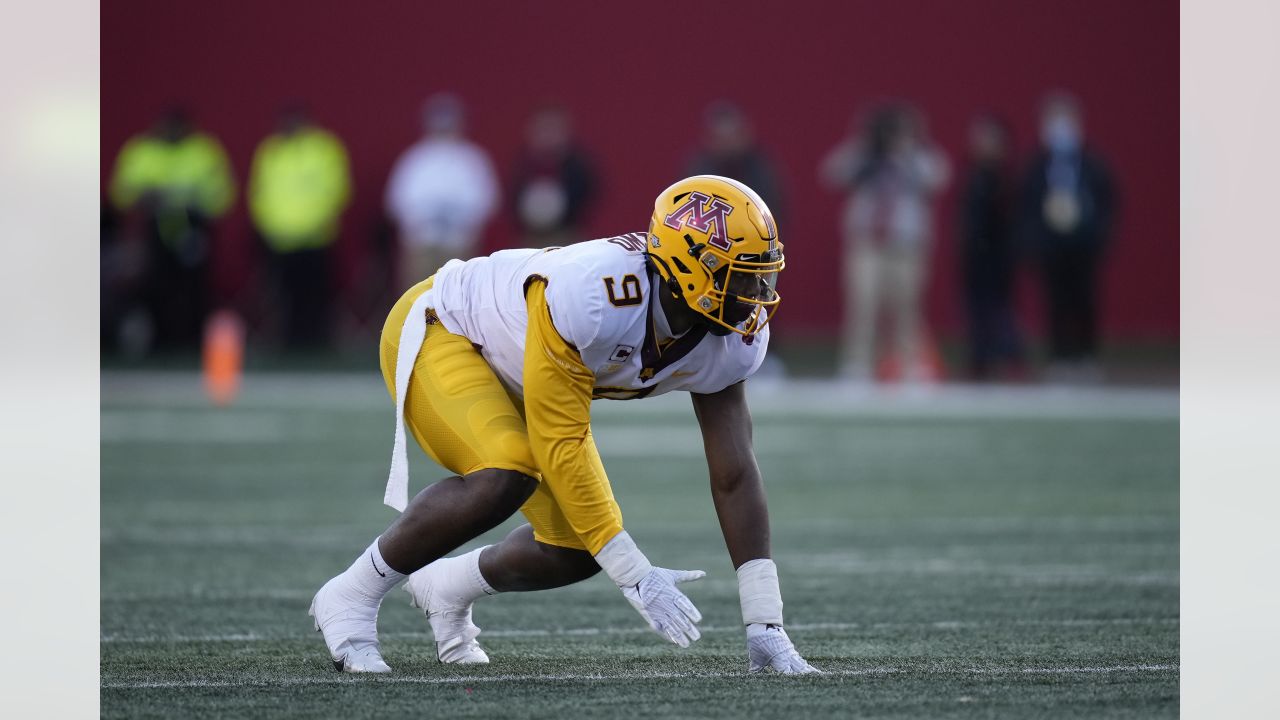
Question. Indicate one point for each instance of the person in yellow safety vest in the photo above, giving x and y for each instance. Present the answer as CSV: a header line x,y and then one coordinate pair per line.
x,y
174,181
299,185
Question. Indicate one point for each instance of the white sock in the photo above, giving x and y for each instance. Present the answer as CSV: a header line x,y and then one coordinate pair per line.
x,y
371,576
459,579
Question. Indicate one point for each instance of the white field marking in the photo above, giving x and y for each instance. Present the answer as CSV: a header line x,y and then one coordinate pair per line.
x,y
366,392
211,594
708,585
617,438
258,533
202,428
1058,573
981,524
1007,574
593,632
337,679
828,398
141,466
275,535
1072,670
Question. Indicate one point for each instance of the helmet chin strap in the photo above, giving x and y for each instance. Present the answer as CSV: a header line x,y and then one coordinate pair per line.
x,y
673,285
679,316
674,303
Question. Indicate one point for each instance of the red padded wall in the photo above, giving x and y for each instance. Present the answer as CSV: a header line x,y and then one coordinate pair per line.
x,y
638,75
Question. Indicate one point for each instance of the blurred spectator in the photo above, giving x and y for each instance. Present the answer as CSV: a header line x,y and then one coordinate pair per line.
x,y
730,149
987,254
441,193
892,174
1066,216
298,187
171,183
121,267
554,182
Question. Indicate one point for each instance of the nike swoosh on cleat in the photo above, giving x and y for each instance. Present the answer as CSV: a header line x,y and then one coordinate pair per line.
x,y
375,565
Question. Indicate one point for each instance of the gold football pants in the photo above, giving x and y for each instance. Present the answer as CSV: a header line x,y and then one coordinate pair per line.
x,y
464,418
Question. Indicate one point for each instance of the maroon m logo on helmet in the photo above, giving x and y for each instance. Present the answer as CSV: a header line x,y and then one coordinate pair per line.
x,y
704,214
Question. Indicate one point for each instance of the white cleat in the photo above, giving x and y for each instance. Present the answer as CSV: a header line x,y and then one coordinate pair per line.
x,y
450,621
349,625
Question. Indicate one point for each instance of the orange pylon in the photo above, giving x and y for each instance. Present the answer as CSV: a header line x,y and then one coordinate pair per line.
x,y
223,356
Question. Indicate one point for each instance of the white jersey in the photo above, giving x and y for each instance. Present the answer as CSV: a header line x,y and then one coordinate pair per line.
x,y
601,303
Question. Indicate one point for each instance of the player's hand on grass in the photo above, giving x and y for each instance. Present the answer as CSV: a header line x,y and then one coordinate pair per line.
x,y
652,590
769,647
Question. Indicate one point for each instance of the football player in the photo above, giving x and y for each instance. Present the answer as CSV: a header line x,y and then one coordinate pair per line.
x,y
493,364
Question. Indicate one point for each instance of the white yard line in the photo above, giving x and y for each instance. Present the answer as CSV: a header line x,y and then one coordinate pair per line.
x,y
161,425
170,410
249,534
627,677
1084,670
1072,575
337,679
592,632
826,398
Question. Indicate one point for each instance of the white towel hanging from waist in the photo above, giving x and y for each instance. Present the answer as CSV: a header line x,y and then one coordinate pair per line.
x,y
412,334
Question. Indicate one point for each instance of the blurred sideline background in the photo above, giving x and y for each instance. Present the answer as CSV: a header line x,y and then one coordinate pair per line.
x,y
978,191
646,94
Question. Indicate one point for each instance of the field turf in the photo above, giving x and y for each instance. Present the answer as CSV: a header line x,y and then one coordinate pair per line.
x,y
941,555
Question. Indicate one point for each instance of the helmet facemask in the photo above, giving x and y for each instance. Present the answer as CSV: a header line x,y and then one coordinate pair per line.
x,y
743,294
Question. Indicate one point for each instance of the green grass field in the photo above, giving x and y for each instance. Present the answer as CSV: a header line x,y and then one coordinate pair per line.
x,y
957,555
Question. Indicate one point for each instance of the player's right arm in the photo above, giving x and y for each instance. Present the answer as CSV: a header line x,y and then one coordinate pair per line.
x,y
738,493
557,399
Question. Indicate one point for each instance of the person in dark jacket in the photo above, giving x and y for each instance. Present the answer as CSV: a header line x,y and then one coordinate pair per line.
x,y
729,148
987,252
173,182
1066,216
554,182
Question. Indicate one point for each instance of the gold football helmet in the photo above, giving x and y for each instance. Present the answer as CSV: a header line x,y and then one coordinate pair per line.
x,y
715,245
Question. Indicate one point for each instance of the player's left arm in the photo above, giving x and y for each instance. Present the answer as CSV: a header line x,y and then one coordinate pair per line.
x,y
738,493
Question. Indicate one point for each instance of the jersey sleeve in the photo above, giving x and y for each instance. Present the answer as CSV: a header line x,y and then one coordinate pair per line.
x,y
577,308
557,401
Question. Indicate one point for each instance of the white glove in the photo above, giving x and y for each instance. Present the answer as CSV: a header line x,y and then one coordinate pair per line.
x,y
652,590
767,643
667,610
769,647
